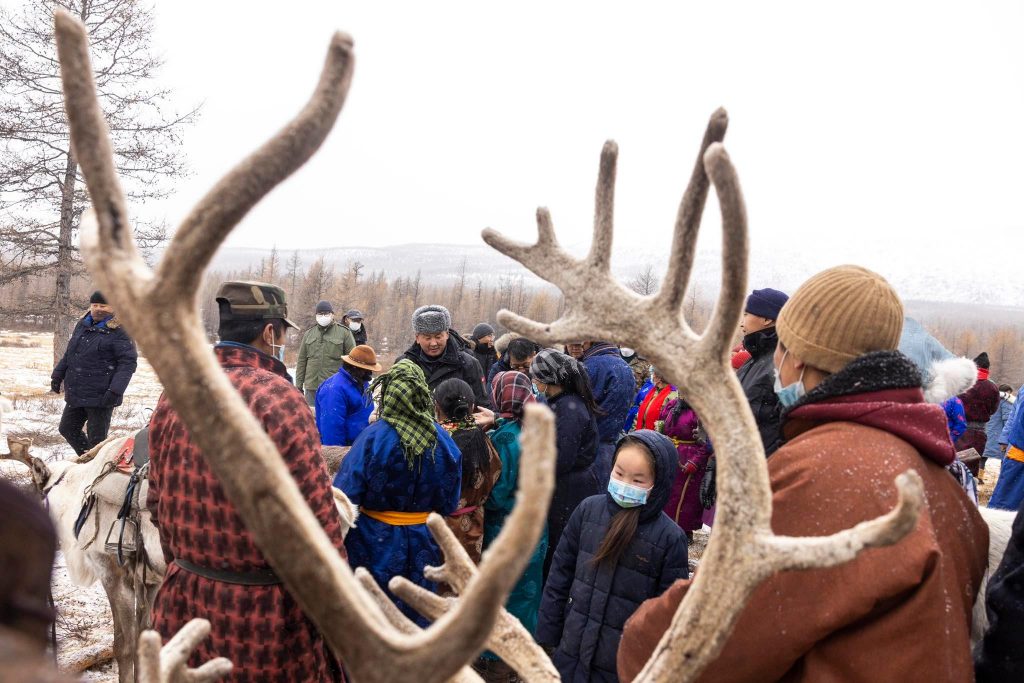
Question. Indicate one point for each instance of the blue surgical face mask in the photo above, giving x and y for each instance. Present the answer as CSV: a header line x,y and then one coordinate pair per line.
x,y
627,495
789,395
278,350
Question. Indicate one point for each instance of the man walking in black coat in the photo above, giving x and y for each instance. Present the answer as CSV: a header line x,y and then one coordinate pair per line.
x,y
442,355
757,375
95,370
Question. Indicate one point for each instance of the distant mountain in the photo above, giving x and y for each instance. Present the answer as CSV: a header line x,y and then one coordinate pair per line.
x,y
443,262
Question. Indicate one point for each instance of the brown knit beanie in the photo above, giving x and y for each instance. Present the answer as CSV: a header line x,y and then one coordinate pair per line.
x,y
840,314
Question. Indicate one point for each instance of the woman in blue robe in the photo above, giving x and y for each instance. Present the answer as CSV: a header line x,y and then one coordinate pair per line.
x,y
400,469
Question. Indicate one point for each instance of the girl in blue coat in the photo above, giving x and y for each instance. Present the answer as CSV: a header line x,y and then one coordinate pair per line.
x,y
618,550
400,469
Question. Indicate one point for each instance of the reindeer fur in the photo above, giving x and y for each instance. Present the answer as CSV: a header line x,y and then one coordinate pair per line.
x,y
1000,528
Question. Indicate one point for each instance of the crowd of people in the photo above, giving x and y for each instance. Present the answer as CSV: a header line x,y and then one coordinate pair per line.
x,y
841,386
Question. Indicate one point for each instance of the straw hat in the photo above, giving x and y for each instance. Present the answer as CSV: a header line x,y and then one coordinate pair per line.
x,y
363,357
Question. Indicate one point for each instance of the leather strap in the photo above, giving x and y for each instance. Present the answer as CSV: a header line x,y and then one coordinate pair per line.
x,y
256,577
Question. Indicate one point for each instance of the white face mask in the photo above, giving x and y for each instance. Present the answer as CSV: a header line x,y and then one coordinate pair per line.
x,y
355,327
626,351
324,319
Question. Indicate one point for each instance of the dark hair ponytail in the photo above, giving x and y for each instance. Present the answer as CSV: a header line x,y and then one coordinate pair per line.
x,y
455,399
624,523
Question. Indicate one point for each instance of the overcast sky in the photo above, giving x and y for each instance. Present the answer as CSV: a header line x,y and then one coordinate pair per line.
x,y
858,129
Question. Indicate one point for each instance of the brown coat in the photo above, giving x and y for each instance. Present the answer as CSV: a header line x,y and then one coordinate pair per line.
x,y
900,613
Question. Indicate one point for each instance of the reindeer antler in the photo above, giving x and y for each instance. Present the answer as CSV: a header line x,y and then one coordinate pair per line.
x,y
240,454
169,664
743,550
509,639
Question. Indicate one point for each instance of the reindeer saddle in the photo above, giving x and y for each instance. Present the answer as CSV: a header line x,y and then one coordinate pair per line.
x,y
122,485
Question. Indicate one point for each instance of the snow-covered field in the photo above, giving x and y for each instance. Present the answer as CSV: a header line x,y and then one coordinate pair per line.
x,y
83,620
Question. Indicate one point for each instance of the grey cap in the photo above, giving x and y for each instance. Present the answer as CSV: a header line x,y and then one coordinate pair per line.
x,y
431,319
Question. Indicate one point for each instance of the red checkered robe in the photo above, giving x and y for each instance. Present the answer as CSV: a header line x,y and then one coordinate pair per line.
x,y
261,629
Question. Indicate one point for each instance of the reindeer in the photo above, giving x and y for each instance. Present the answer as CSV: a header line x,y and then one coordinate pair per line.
x,y
130,587
358,625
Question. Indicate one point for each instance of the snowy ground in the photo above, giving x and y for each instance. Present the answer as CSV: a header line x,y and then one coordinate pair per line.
x,y
25,363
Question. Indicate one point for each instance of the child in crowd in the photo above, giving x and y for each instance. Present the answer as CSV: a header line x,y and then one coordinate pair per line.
x,y
618,550
454,404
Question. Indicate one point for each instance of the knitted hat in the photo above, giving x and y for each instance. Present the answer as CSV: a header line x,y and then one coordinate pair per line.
x,y
981,360
840,314
766,303
324,307
431,319
481,331
97,298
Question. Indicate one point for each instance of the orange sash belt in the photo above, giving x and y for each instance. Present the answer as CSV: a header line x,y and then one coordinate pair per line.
x,y
1014,453
397,518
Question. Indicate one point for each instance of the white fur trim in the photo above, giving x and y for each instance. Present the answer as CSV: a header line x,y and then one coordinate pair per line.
x,y
950,378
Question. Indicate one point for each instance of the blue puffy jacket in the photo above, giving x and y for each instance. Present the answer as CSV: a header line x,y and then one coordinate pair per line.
x,y
585,607
100,358
614,387
343,408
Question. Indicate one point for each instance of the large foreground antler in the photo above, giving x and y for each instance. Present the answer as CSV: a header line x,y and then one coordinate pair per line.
x,y
241,455
743,550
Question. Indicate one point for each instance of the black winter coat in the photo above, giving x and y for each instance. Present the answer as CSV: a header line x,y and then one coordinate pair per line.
x,y
585,607
359,336
757,376
575,480
1000,656
455,361
486,356
99,358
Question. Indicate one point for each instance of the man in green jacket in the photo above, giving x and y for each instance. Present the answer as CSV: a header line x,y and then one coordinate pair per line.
x,y
321,350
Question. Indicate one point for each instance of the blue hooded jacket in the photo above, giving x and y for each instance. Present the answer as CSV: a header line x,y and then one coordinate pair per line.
x,y
585,607
343,408
614,387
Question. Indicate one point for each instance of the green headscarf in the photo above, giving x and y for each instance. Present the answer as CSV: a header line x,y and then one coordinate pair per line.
x,y
406,405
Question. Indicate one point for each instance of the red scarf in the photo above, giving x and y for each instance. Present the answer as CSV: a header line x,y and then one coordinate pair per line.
x,y
650,409
982,374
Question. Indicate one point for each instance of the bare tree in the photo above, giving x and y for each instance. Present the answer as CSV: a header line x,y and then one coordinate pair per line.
x,y
293,270
645,282
44,196
357,270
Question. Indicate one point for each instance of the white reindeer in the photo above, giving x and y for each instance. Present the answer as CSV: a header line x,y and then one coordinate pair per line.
x,y
132,587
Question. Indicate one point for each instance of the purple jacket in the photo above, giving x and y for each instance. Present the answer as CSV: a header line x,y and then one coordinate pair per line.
x,y
683,505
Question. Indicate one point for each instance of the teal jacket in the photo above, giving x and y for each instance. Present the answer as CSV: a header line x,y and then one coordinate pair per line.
x,y
524,601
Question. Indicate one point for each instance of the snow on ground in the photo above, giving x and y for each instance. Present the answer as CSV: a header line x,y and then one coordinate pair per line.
x,y
26,360
25,365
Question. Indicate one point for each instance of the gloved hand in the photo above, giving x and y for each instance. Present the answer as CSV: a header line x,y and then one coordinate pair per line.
x,y
55,386
110,399
708,489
